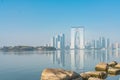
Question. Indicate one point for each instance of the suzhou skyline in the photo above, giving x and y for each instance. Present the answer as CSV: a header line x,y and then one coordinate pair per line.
x,y
34,22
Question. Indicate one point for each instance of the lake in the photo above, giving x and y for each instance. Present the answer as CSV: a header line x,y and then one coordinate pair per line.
x,y
29,65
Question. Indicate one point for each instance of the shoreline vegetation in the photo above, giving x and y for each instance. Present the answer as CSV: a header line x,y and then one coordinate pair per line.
x,y
26,48
42,48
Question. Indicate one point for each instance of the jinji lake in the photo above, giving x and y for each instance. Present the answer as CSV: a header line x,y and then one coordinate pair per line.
x,y
29,65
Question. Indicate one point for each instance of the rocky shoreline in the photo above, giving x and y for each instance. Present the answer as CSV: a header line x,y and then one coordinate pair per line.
x,y
102,71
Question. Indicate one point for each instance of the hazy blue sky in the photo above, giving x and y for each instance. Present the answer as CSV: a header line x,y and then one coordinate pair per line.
x,y
34,22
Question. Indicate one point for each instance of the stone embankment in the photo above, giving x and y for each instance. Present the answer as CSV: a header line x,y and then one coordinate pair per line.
x,y
102,70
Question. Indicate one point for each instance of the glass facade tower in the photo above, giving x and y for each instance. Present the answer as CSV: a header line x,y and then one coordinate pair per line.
x,y
59,41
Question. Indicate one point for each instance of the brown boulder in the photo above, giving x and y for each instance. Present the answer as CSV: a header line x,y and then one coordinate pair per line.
x,y
112,64
101,67
92,78
58,74
117,66
96,74
113,71
84,76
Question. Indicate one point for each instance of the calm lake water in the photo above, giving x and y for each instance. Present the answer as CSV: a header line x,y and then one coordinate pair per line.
x,y
29,65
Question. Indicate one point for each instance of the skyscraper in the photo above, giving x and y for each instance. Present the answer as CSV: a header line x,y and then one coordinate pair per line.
x,y
104,43
59,41
108,43
56,42
53,41
77,38
62,39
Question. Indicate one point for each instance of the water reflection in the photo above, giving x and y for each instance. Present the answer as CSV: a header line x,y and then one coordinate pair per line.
x,y
83,60
35,61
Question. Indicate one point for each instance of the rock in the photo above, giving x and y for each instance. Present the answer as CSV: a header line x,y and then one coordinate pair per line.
x,y
58,74
113,71
101,67
112,64
84,76
117,66
96,74
92,78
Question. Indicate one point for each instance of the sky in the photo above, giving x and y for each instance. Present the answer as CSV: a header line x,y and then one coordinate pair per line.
x,y
35,22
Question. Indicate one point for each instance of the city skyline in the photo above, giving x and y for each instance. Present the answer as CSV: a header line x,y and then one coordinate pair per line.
x,y
78,41
34,22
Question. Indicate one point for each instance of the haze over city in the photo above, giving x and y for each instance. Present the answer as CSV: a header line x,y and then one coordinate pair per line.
x,y
35,22
59,40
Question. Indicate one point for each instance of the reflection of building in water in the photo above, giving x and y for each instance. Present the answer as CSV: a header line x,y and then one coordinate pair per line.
x,y
53,57
103,55
58,57
63,58
106,55
81,60
72,59
77,59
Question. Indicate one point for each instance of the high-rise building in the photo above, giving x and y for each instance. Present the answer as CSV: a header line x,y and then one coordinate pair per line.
x,y
56,42
102,42
59,41
59,45
116,45
77,38
97,44
62,39
107,43
53,42
93,44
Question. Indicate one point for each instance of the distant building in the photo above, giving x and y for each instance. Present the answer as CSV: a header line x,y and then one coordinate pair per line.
x,y
92,44
77,38
59,41
97,44
62,39
116,45
59,45
53,42
107,43
102,42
